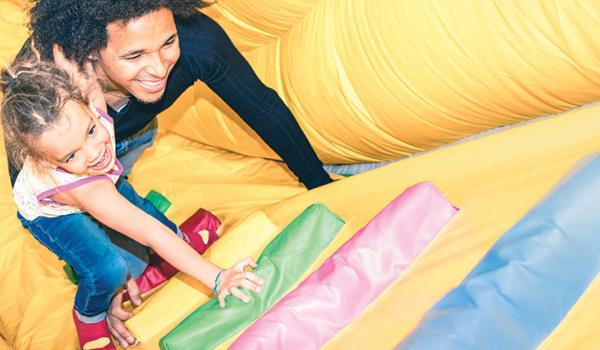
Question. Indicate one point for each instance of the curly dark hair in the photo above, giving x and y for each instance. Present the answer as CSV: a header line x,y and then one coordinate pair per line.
x,y
79,26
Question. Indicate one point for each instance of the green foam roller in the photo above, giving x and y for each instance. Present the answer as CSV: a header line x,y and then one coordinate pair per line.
x,y
284,260
73,277
159,201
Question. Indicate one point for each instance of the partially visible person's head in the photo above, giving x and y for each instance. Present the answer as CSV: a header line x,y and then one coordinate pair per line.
x,y
46,119
133,43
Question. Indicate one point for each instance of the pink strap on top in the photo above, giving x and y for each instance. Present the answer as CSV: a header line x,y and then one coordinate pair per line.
x,y
43,198
354,276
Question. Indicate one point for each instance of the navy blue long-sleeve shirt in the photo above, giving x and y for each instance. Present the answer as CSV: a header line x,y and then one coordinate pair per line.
x,y
208,54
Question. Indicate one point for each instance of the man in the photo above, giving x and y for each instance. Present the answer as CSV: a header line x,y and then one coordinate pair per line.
x,y
146,53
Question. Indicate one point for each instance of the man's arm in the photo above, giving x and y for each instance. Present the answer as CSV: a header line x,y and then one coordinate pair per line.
x,y
213,58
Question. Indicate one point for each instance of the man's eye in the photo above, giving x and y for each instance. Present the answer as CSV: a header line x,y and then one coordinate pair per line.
x,y
133,57
92,130
170,42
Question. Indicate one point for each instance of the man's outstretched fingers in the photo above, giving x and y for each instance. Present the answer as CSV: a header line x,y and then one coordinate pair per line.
x,y
116,334
134,292
116,309
115,318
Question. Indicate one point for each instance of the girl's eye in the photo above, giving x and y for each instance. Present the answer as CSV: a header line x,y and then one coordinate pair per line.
x,y
170,42
71,157
92,130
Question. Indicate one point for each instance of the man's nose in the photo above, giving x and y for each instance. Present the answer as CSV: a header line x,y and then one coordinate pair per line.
x,y
157,65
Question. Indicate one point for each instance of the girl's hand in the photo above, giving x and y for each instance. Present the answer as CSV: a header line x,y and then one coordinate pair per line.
x,y
234,278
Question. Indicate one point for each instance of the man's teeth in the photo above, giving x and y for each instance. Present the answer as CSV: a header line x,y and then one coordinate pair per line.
x,y
151,83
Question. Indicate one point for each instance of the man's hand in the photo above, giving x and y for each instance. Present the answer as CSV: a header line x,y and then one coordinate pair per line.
x,y
117,316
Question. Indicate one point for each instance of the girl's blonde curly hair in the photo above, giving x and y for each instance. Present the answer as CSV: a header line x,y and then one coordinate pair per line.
x,y
34,93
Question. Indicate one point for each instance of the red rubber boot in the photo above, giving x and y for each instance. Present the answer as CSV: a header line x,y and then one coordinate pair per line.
x,y
199,231
93,335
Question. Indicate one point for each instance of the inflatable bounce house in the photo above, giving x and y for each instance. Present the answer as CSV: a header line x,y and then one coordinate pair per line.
x,y
470,220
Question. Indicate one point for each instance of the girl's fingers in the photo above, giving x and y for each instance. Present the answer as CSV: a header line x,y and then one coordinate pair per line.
x,y
253,277
236,279
249,277
246,262
250,285
222,295
252,263
236,292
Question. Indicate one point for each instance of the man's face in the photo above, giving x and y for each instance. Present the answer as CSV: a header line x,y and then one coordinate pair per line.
x,y
140,55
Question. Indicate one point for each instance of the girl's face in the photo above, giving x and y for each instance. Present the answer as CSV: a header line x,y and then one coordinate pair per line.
x,y
78,142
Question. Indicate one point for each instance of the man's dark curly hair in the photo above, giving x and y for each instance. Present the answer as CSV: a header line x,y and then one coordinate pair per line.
x,y
79,26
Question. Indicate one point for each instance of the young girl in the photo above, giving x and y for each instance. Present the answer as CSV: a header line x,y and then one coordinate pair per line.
x,y
65,149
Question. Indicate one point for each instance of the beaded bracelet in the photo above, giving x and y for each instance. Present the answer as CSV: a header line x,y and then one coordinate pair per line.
x,y
217,282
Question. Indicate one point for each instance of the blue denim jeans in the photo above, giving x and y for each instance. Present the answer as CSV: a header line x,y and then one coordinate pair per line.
x,y
129,150
83,243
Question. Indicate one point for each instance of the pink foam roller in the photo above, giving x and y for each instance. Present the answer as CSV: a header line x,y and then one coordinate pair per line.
x,y
351,278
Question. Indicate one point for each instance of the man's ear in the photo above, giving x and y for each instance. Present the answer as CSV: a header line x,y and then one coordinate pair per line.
x,y
57,51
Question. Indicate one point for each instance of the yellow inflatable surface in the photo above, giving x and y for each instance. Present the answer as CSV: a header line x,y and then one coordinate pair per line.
x,y
367,80
373,80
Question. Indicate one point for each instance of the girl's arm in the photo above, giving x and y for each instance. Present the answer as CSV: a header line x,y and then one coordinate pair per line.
x,y
102,200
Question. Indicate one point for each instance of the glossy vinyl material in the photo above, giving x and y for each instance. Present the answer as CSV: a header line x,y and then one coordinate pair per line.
x,y
351,278
280,265
528,281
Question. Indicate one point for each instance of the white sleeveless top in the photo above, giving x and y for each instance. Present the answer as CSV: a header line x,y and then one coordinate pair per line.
x,y
32,193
